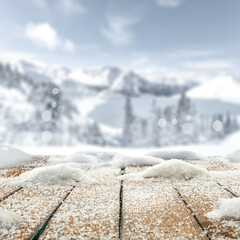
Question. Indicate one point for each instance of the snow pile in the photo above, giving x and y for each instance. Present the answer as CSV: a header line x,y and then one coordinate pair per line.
x,y
9,220
74,158
12,157
174,169
59,174
101,156
183,155
229,208
121,161
234,157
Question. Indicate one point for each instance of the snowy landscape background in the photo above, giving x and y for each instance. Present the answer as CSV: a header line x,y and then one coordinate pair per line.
x,y
139,74
108,106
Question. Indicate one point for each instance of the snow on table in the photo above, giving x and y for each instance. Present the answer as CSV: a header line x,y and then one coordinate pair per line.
x,y
33,205
202,197
90,211
106,207
152,209
214,164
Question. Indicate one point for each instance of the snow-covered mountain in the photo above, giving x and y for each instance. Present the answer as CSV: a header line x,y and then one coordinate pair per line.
x,y
80,102
111,79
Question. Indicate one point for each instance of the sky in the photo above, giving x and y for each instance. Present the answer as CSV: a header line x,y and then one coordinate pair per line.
x,y
135,34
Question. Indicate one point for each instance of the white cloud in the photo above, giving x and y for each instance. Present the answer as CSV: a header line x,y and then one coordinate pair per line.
x,y
169,3
43,34
209,64
70,7
118,31
40,3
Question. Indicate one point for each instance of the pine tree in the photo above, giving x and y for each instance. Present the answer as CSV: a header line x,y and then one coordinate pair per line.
x,y
156,115
127,138
95,136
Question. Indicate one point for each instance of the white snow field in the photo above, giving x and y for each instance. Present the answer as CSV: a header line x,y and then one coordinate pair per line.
x,y
112,194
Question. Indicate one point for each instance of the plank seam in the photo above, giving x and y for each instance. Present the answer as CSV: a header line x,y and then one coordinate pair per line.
x,y
120,221
40,229
228,190
193,214
10,194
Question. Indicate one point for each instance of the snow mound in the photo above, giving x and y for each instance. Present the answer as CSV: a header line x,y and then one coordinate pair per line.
x,y
12,157
121,161
9,220
234,157
59,174
101,156
74,158
183,155
174,169
228,208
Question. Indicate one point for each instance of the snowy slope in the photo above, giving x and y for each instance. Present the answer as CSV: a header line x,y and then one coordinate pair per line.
x,y
224,88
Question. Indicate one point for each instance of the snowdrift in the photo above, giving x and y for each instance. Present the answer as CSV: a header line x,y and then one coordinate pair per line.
x,y
227,208
234,157
174,169
121,161
59,174
74,158
183,155
12,157
9,220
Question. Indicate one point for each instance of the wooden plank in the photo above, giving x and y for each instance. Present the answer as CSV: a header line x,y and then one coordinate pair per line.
x,y
6,190
37,161
231,182
90,211
152,209
14,172
34,205
202,197
213,164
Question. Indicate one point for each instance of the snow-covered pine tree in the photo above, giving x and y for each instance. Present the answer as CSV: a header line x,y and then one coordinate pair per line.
x,y
127,138
95,136
156,115
185,125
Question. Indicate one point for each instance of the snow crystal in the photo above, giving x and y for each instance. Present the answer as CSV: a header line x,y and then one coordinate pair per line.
x,y
12,157
183,155
121,161
229,208
9,220
234,157
60,174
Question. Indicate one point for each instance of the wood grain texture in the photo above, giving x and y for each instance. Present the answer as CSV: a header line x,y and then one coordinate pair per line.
x,y
202,197
90,211
152,209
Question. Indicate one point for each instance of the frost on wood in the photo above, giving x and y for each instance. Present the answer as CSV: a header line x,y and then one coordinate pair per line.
x,y
12,157
227,208
90,211
34,205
